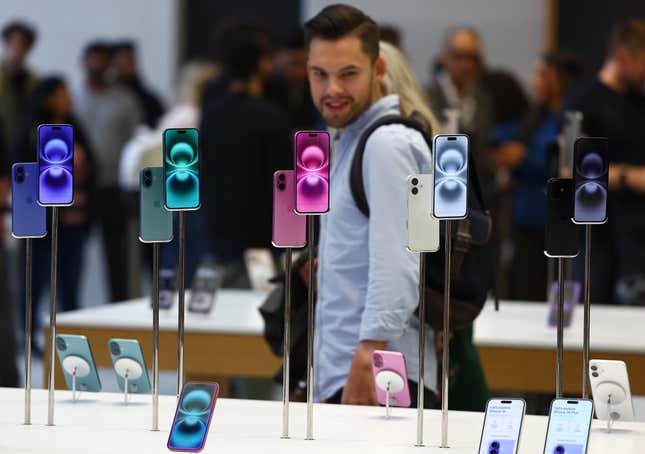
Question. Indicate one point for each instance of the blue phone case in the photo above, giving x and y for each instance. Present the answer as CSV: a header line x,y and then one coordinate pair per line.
x,y
71,345
155,222
28,219
130,349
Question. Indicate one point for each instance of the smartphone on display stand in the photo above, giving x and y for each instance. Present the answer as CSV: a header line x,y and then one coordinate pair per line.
x,y
260,267
423,228
289,229
502,426
390,372
167,288
28,219
312,172
193,417
181,163
75,354
572,291
610,388
55,165
155,222
569,426
561,235
208,279
126,354
590,176
450,164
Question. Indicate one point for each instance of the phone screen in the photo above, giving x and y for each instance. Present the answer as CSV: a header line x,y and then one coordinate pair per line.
x,y
55,165
502,425
591,173
312,172
193,416
181,168
451,177
569,425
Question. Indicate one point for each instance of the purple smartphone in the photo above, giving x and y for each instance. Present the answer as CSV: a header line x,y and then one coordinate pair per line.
x,y
390,373
572,291
193,417
28,219
289,229
312,172
56,165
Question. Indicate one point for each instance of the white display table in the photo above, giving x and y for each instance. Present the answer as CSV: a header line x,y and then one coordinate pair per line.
x,y
101,423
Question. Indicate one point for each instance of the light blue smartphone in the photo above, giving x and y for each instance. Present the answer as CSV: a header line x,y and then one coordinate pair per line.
x,y
127,355
155,222
450,176
28,219
76,358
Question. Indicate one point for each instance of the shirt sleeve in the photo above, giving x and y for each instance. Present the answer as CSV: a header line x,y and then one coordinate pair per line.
x,y
392,293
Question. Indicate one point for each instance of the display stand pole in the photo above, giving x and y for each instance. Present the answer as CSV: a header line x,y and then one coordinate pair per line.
x,y
310,330
52,317
388,410
610,419
550,271
28,315
74,384
422,346
446,337
155,336
560,341
587,315
180,324
286,362
125,387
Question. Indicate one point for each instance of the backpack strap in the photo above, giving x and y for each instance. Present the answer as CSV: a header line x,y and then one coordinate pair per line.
x,y
356,171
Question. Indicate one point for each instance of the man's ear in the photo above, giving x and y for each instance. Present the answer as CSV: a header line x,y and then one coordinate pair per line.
x,y
380,68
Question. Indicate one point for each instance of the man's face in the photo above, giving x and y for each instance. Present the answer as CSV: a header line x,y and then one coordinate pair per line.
x,y
97,64
632,68
462,59
124,63
17,48
342,78
546,83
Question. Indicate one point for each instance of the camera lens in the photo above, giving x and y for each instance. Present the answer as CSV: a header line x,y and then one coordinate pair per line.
x,y
415,181
20,169
415,191
20,178
594,374
281,177
494,444
493,451
61,344
114,348
281,186
147,173
378,360
594,367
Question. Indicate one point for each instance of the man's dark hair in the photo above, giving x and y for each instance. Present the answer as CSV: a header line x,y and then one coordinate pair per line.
x,y
239,45
629,34
126,44
19,27
567,65
97,46
338,21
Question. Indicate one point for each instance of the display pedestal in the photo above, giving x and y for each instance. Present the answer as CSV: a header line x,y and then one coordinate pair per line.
x,y
181,267
422,347
310,329
390,382
77,367
128,369
286,364
155,336
28,334
560,336
445,373
52,318
587,313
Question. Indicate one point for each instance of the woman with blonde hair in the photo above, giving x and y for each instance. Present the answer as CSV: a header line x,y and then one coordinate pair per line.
x,y
399,79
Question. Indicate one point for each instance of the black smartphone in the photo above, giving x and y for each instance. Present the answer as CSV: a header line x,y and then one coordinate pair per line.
x,y
560,233
590,176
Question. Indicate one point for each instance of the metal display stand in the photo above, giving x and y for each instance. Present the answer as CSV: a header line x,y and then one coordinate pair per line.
x,y
129,369
286,363
77,367
52,317
390,382
422,347
310,329
587,313
28,334
560,340
446,336
182,298
155,336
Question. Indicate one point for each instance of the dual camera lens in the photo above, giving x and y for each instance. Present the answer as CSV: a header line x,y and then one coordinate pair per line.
x,y
281,184
147,178
415,181
20,174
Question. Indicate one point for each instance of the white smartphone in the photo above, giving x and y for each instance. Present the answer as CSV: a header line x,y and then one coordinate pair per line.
x,y
423,228
569,426
612,397
502,426
260,267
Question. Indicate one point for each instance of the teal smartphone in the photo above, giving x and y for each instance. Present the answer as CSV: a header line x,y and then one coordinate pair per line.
x,y
76,359
127,356
181,164
155,222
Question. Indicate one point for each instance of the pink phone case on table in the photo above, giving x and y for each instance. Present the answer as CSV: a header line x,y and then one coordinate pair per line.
x,y
289,229
389,367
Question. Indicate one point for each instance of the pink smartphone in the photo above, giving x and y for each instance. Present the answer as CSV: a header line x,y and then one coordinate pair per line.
x,y
390,373
312,172
289,229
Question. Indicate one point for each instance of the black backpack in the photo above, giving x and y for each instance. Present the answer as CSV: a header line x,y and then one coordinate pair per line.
x,y
473,254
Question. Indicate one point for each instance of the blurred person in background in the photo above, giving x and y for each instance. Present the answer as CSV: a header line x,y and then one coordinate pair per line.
x,y
556,74
288,86
50,102
391,34
109,115
16,79
245,139
126,73
613,106
457,85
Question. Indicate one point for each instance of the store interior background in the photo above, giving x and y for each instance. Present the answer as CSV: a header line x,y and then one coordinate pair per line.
x,y
171,32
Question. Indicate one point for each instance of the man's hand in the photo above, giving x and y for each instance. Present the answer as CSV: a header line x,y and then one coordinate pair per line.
x,y
635,178
359,389
509,154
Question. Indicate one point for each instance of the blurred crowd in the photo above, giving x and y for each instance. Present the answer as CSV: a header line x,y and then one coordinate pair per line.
x,y
247,100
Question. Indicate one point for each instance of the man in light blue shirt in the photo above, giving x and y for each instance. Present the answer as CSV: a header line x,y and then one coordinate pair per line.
x,y
367,279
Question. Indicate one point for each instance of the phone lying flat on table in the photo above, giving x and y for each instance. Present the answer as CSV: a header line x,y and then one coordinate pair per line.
x,y
568,427
502,426
193,417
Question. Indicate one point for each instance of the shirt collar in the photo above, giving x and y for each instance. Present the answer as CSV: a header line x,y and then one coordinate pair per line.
x,y
378,109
